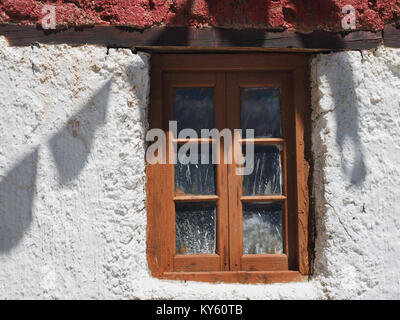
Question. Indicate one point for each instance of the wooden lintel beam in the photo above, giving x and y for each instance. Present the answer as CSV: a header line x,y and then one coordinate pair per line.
x,y
173,38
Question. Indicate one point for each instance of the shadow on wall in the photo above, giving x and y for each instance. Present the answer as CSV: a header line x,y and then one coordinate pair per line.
x,y
17,191
347,120
348,140
346,114
347,117
70,146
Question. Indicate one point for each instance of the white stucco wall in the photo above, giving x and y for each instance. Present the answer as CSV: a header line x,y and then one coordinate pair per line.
x,y
356,147
72,178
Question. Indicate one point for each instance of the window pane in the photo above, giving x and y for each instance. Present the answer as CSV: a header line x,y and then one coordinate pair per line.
x,y
261,111
195,179
196,226
194,108
262,228
266,178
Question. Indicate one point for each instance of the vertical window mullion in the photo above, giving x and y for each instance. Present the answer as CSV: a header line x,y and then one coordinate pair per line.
x,y
234,181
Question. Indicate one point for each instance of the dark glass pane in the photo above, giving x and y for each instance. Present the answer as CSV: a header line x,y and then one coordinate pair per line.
x,y
195,178
262,228
194,108
195,225
266,178
261,111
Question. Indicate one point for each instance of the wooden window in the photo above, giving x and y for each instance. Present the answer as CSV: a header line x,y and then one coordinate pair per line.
x,y
205,222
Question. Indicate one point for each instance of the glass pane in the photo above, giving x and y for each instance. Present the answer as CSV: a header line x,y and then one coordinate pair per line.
x,y
194,108
195,178
266,178
261,111
196,226
262,228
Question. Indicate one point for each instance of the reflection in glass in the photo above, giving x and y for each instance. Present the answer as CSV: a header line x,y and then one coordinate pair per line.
x,y
195,225
260,110
194,108
262,228
266,178
195,179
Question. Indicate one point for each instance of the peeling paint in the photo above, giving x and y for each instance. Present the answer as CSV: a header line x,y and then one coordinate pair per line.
x,y
299,15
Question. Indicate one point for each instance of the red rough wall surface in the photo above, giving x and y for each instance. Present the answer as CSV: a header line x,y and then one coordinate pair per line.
x,y
300,15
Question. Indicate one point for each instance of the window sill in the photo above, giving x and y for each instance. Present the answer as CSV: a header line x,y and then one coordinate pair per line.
x,y
248,277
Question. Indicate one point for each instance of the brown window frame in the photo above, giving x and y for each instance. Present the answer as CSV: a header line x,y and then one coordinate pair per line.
x,y
220,70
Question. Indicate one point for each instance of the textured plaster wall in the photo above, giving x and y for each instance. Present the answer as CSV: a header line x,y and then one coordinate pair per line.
x,y
72,178
356,147
72,201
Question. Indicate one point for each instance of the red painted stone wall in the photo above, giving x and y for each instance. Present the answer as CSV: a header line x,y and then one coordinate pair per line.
x,y
300,15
